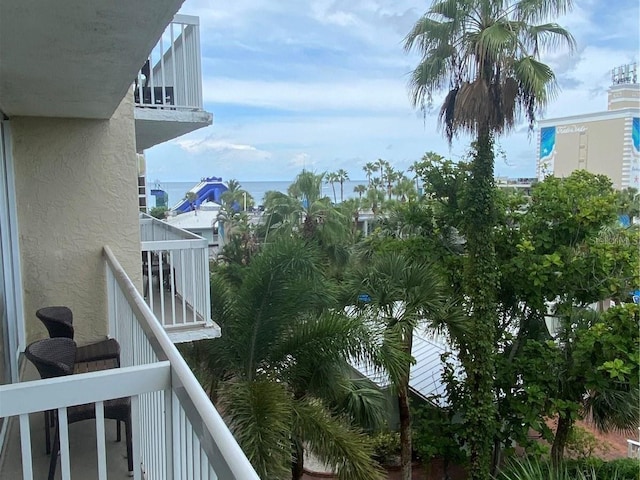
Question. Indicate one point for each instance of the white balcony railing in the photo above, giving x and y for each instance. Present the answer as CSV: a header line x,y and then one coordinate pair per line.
x,y
176,274
177,433
172,76
633,449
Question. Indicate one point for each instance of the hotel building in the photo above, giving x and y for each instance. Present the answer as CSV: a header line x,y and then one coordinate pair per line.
x,y
606,142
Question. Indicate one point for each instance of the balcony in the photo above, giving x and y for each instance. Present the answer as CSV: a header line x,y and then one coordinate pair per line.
x,y
175,268
177,433
167,91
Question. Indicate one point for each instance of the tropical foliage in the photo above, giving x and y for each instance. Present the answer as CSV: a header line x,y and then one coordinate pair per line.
x,y
279,373
485,55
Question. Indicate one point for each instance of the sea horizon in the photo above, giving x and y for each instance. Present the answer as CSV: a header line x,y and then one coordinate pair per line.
x,y
177,190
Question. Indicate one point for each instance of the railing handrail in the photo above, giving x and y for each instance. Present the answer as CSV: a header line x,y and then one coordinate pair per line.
x,y
145,218
186,19
184,383
174,244
79,389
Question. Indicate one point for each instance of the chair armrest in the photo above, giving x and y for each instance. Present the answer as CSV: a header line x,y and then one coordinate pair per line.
x,y
108,349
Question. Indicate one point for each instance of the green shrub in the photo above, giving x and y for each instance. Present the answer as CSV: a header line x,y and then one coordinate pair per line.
x,y
620,469
582,444
386,447
583,469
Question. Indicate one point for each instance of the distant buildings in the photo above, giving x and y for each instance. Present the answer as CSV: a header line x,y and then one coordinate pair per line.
x,y
606,142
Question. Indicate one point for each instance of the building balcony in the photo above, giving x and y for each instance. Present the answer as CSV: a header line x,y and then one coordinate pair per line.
x,y
176,431
175,269
167,91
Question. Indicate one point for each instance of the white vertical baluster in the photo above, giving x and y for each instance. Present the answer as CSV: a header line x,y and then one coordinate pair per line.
x,y
195,460
168,432
193,287
25,447
175,434
63,428
161,286
189,451
135,436
172,273
184,65
101,446
183,284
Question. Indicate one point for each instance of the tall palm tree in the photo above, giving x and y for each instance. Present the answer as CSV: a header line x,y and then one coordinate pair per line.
x,y
381,164
332,178
342,176
278,373
485,54
403,295
368,169
359,189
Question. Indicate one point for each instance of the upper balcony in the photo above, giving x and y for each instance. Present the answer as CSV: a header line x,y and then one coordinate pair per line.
x,y
175,269
168,88
176,431
75,59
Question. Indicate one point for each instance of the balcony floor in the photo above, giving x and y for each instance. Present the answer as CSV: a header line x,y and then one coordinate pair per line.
x,y
82,447
180,331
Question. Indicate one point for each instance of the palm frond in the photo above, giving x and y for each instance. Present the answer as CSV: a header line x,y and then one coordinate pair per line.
x,y
332,440
259,414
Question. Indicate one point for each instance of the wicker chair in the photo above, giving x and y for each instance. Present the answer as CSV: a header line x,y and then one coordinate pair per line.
x,y
55,357
59,323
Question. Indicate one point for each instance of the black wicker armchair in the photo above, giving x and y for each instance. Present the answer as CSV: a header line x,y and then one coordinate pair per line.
x,y
55,357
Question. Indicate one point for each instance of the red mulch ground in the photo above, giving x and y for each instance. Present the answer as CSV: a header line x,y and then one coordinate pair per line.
x,y
613,445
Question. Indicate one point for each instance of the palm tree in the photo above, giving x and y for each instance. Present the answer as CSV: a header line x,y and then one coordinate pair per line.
x,y
485,54
359,189
342,176
332,178
381,164
403,295
191,198
390,176
369,168
235,196
278,373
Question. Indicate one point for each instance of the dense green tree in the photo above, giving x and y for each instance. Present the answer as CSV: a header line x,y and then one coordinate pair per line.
x,y
279,372
485,53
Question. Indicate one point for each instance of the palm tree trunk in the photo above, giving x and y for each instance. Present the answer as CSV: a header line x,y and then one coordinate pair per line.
x,y
481,283
297,462
405,412
405,434
560,440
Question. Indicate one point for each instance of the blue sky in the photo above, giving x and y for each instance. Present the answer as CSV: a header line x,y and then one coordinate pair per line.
x,y
322,84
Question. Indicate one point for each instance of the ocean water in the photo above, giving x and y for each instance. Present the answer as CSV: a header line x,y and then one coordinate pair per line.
x,y
177,190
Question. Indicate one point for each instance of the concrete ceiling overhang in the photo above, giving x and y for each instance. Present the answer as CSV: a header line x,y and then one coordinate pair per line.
x,y
75,58
155,126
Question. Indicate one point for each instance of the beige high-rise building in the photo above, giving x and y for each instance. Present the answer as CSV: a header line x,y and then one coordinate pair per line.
x,y
606,142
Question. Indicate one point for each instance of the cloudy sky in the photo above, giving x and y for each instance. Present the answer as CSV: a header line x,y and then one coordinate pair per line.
x,y
322,84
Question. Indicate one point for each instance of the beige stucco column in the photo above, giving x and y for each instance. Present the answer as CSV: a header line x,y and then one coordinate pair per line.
x,y
76,184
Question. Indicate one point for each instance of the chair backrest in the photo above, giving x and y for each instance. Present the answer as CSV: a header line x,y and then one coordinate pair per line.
x,y
58,321
53,357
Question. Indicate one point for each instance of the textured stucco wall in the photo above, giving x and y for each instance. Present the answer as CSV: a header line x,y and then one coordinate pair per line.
x,y
76,182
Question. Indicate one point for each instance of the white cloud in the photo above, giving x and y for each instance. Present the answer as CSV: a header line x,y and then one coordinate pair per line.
x,y
322,84
352,94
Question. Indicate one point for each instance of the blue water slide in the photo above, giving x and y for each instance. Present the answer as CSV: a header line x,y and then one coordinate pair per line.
x,y
208,190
